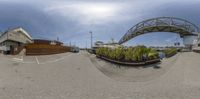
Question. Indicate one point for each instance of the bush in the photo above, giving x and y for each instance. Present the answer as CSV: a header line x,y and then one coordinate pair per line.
x,y
170,52
138,53
129,55
119,53
153,54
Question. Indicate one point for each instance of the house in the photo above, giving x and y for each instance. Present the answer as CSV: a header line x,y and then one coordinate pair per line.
x,y
13,40
16,40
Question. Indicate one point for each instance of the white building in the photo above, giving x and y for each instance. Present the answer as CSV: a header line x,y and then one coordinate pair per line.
x,y
196,46
13,40
99,44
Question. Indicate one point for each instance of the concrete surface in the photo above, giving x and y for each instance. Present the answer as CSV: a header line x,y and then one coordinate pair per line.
x,y
133,73
75,76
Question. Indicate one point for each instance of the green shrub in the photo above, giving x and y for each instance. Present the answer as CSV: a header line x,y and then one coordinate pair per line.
x,y
119,53
138,53
111,53
170,52
128,55
153,54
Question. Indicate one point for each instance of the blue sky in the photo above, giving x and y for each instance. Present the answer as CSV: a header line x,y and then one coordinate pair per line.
x,y
71,20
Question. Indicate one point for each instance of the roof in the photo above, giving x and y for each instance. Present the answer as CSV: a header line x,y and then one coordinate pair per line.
x,y
45,40
20,29
98,42
1,33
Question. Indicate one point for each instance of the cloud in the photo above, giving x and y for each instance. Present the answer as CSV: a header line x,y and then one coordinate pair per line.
x,y
89,12
172,39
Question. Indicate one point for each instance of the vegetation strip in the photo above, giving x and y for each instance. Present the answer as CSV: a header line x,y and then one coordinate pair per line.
x,y
131,63
139,55
170,52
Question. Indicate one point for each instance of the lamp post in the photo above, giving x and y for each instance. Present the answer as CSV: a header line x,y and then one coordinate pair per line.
x,y
91,39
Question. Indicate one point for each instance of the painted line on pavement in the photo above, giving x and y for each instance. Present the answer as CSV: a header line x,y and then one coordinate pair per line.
x,y
21,60
17,59
29,62
59,59
37,60
22,57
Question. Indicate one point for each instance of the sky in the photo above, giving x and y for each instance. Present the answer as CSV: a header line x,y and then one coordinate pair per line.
x,y
71,20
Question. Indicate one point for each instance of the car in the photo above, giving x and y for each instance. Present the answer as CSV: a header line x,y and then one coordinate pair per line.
x,y
75,49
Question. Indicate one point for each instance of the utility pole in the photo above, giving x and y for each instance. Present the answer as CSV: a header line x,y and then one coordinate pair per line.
x,y
57,38
91,39
86,45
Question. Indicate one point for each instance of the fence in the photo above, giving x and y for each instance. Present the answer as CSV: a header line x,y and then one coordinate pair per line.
x,y
45,49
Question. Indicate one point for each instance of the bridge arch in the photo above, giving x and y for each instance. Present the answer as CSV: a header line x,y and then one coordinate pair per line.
x,y
187,30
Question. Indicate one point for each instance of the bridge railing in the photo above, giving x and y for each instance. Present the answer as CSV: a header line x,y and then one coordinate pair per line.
x,y
158,22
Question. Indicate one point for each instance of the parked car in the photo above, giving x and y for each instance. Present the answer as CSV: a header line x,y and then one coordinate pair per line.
x,y
75,49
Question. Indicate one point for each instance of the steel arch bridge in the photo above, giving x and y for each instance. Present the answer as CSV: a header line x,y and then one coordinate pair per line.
x,y
161,24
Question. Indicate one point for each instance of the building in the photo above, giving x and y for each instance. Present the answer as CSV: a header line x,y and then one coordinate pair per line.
x,y
196,46
13,40
47,42
45,47
99,44
16,40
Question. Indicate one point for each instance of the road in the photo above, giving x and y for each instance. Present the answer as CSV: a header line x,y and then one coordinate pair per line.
x,y
76,76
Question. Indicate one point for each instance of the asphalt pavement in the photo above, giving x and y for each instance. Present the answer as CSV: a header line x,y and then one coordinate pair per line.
x,y
77,76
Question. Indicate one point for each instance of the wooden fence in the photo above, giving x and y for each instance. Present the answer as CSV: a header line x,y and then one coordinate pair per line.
x,y
44,49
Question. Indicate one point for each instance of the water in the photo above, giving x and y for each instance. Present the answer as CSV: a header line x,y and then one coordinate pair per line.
x,y
161,55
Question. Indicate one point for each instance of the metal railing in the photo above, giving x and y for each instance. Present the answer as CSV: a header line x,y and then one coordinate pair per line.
x,y
161,24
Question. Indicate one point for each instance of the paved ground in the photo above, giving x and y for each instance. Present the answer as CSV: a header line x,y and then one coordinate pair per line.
x,y
133,74
76,76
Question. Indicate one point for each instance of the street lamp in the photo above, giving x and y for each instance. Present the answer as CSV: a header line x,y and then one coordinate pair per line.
x,y
91,39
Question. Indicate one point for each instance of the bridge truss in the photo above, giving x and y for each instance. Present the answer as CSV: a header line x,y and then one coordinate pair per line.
x,y
161,24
